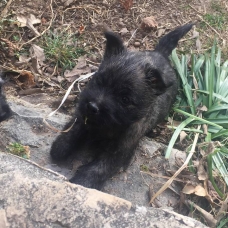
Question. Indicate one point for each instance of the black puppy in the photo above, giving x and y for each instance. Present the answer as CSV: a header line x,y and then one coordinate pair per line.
x,y
129,94
5,111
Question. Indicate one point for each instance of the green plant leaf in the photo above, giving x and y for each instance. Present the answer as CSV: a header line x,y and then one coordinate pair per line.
x,y
203,121
176,134
209,162
186,86
220,166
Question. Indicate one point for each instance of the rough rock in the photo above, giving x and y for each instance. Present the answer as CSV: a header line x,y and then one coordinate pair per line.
x,y
31,196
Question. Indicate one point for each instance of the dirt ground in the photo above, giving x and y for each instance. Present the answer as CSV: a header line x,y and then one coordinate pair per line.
x,y
85,21
37,38
41,41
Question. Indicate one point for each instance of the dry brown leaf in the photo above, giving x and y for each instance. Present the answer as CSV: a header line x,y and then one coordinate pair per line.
x,y
25,80
203,108
36,67
81,29
176,158
149,23
37,52
174,122
31,27
23,60
75,73
195,34
198,44
80,68
68,2
23,20
200,191
11,47
182,135
126,4
188,189
202,152
208,196
123,31
81,63
210,148
223,209
205,129
161,31
43,21
27,151
202,174
195,162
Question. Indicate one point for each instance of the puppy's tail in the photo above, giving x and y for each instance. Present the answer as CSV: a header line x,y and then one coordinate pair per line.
x,y
168,42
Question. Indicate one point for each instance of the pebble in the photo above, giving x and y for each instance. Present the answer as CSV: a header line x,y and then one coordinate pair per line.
x,y
137,44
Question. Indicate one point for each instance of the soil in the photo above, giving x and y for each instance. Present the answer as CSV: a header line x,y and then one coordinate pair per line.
x,y
86,21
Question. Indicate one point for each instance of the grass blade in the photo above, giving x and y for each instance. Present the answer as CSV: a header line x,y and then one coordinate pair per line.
x,y
176,134
220,166
198,118
211,77
209,161
221,133
186,86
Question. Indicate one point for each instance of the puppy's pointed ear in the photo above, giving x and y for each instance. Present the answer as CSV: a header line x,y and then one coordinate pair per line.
x,y
170,40
114,45
155,78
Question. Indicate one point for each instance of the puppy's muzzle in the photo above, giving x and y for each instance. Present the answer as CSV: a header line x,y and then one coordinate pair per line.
x,y
92,108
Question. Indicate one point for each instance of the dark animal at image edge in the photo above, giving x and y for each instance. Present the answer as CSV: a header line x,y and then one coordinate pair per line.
x,y
125,99
5,111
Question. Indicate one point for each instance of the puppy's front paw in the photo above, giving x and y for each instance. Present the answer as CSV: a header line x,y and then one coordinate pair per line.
x,y
59,151
87,181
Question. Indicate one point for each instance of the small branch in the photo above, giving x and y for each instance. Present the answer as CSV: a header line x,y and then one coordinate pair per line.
x,y
133,34
195,9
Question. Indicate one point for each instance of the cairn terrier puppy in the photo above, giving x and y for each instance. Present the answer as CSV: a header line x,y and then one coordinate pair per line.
x,y
5,111
125,99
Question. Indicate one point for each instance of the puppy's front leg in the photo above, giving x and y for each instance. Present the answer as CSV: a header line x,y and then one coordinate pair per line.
x,y
95,173
69,142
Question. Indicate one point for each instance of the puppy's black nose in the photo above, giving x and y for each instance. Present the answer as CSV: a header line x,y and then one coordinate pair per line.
x,y
92,108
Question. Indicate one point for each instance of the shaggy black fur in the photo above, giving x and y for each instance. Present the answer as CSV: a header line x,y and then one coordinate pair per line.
x,y
5,111
129,94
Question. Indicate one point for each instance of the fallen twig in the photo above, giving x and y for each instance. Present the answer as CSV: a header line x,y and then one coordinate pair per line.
x,y
161,176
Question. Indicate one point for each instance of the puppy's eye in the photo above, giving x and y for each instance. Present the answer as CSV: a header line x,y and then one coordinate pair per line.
x,y
125,100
